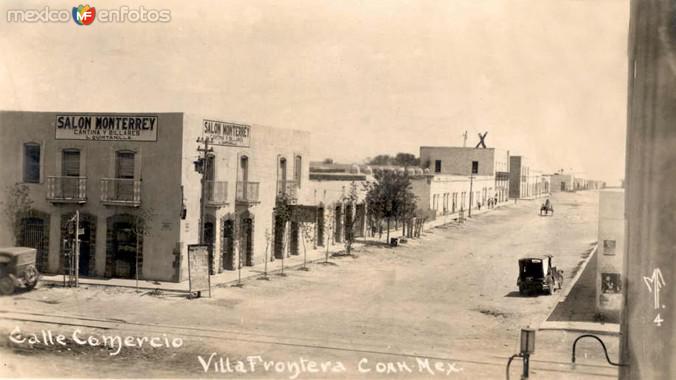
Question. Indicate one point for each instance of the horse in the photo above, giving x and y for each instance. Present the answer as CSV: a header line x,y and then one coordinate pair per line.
x,y
547,208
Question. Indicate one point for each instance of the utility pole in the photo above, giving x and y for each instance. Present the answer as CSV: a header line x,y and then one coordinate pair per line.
x,y
77,248
471,195
204,151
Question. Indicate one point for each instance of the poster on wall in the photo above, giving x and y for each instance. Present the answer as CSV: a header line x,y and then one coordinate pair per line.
x,y
104,127
198,268
227,134
610,283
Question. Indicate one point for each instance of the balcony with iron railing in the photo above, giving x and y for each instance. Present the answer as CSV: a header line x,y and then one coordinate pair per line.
x,y
121,192
216,193
67,189
247,192
289,188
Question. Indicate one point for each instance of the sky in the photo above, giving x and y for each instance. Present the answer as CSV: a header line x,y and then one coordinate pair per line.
x,y
546,79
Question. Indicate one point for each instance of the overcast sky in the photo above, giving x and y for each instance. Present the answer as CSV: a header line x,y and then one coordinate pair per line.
x,y
545,78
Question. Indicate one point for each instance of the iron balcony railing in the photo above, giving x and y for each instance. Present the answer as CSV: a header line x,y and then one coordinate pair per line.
x,y
121,191
290,188
67,189
247,192
216,193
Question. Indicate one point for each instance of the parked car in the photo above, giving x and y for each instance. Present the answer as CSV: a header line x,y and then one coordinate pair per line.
x,y
536,274
17,268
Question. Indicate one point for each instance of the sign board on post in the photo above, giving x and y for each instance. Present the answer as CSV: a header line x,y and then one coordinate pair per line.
x,y
226,134
198,268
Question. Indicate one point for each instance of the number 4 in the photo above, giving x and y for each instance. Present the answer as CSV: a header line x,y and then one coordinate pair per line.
x,y
658,320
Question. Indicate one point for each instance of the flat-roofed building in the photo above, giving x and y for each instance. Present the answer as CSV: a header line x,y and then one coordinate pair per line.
x,y
121,170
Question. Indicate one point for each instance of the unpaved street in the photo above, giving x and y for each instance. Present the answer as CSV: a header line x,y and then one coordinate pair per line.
x,y
450,297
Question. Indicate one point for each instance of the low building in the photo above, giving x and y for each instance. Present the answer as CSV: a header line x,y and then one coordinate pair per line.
x,y
338,192
453,195
125,171
562,182
610,254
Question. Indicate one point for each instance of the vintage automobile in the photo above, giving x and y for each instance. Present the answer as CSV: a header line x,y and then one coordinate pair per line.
x,y
17,268
537,275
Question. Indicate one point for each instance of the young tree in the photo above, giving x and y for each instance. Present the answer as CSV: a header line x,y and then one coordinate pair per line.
x,y
268,240
350,199
142,228
17,203
390,196
330,222
307,232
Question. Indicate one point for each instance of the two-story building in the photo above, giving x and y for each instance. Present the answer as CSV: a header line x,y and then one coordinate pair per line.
x,y
478,163
132,177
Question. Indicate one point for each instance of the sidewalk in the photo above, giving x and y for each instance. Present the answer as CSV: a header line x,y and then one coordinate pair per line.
x,y
576,311
230,277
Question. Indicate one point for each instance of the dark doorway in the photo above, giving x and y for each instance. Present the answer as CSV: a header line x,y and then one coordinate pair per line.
x,y
124,250
247,241
279,237
320,227
294,231
349,227
338,225
360,220
228,245
86,265
209,239
86,249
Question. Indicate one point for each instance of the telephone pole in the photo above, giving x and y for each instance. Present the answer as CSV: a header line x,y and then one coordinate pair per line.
x,y
204,167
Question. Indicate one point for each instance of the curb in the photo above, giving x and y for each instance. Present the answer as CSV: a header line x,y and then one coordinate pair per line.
x,y
612,329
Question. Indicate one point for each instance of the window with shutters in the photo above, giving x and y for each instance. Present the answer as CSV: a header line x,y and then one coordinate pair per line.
x,y
124,165
70,163
297,170
31,163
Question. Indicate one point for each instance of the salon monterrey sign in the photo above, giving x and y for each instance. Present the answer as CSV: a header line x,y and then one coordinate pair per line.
x,y
228,134
102,127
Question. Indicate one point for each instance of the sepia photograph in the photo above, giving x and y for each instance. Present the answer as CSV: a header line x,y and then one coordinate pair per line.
x,y
338,189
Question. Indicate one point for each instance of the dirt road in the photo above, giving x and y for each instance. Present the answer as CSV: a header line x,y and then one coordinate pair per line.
x,y
445,305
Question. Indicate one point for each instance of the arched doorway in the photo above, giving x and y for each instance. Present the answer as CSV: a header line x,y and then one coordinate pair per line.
x,y
124,247
338,224
87,264
349,220
246,242
320,226
294,231
228,244
210,239
34,233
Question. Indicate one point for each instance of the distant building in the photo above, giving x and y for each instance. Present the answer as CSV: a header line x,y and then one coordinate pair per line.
x,y
610,254
562,182
477,162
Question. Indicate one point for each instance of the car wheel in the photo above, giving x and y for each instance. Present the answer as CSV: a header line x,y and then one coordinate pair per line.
x,y
31,275
7,285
